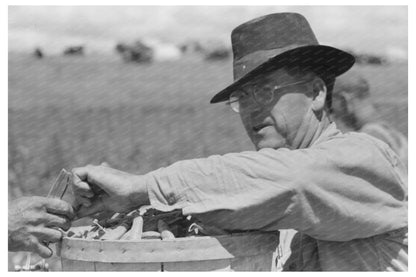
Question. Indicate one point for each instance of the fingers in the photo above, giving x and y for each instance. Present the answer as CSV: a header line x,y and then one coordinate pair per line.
x,y
62,222
59,207
85,183
36,201
80,185
80,173
47,234
34,245
42,250
82,188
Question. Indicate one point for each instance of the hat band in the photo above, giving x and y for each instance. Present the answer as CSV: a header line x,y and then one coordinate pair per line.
x,y
250,61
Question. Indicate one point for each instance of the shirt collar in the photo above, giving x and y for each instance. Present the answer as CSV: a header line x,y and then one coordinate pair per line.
x,y
329,132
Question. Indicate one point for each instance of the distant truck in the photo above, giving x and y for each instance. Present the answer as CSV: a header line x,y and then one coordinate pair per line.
x,y
136,52
216,54
210,50
74,51
38,53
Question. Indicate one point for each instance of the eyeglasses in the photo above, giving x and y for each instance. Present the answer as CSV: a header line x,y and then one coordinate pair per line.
x,y
262,95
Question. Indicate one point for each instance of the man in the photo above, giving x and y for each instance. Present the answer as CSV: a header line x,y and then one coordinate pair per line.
x,y
344,193
353,110
33,222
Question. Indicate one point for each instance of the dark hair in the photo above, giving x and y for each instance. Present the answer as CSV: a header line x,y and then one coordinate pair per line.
x,y
329,83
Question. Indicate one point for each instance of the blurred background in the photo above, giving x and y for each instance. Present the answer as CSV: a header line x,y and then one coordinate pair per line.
x,y
131,85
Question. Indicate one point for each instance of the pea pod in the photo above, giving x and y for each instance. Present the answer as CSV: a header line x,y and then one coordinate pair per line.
x,y
116,232
135,233
151,235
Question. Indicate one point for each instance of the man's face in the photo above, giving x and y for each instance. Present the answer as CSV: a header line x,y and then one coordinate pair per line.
x,y
275,125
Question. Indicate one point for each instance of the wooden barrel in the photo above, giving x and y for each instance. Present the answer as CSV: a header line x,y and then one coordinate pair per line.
x,y
236,252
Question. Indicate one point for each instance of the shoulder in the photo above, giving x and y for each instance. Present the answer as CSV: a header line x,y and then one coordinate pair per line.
x,y
353,140
357,149
365,157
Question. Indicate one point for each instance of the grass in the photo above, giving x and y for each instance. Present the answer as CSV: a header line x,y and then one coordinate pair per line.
x,y
67,112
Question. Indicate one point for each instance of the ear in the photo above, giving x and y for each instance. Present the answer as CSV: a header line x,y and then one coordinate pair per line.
x,y
319,95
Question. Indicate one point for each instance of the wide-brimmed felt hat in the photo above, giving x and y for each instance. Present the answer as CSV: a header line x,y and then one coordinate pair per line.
x,y
278,40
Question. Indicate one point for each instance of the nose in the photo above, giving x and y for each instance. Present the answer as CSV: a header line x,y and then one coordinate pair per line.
x,y
252,113
249,105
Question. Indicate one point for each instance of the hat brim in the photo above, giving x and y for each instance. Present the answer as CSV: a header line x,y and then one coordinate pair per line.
x,y
325,61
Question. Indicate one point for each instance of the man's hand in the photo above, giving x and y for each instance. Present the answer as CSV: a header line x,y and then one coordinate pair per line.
x,y
33,222
101,188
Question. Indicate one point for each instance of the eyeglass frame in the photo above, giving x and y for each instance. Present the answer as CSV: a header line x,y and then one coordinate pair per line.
x,y
251,93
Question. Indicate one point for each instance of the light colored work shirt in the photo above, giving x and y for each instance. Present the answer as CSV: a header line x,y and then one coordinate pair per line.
x,y
345,195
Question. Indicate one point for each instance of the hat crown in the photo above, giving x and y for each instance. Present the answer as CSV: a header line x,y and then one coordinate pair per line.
x,y
274,31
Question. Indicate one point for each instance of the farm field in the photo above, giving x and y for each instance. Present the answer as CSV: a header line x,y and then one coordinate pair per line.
x,y
67,112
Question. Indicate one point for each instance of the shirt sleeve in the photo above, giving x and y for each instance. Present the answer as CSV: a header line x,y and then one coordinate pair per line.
x,y
327,192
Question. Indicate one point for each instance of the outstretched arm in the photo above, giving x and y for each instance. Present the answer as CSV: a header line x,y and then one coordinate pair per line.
x,y
331,195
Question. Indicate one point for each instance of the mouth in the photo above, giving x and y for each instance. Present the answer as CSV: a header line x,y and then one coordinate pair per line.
x,y
258,127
